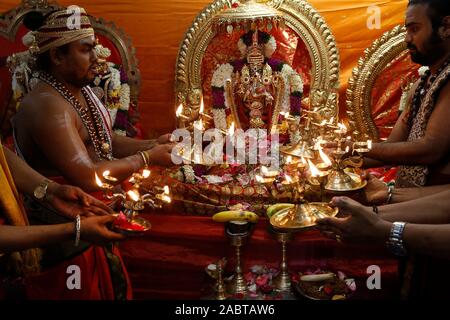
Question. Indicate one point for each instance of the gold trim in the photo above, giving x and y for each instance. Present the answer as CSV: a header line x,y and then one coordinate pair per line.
x,y
299,15
376,58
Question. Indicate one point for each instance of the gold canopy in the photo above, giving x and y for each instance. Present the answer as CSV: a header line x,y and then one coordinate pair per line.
x,y
249,15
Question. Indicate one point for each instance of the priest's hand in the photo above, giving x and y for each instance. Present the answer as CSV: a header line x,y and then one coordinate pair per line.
x,y
71,201
165,138
360,224
95,230
161,155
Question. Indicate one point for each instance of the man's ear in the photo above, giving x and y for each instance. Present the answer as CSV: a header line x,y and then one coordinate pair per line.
x,y
445,27
55,56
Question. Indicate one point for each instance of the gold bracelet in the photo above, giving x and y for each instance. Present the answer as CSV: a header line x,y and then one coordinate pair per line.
x,y
144,156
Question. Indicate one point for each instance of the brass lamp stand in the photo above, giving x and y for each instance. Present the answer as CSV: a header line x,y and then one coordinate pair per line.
x,y
282,281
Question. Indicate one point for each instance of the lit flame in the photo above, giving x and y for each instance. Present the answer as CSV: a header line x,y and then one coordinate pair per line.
x,y
369,144
166,190
259,179
179,110
342,127
202,106
106,173
288,179
288,160
134,195
231,129
314,171
146,173
324,157
264,170
98,181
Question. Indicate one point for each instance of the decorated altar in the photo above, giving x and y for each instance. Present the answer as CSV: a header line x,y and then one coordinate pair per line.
x,y
297,84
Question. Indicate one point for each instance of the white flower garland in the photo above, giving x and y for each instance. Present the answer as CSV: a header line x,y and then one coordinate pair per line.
x,y
295,136
422,70
293,83
220,119
124,95
221,75
114,83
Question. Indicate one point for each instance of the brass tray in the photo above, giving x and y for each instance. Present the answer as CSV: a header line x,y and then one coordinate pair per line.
x,y
303,218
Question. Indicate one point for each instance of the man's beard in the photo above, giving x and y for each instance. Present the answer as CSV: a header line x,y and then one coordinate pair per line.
x,y
431,50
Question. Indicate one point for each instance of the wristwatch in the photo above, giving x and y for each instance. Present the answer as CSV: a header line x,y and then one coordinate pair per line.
x,y
41,190
395,241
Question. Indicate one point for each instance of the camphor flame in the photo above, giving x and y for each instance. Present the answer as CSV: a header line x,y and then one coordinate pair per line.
x,y
146,173
288,160
202,106
166,190
259,179
342,127
313,169
324,157
179,110
98,181
288,179
231,129
134,195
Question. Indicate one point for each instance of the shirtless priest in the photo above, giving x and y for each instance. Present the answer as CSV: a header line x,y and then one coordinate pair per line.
x,y
61,128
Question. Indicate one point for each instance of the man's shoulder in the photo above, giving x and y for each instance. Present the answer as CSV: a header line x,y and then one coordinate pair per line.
x,y
45,102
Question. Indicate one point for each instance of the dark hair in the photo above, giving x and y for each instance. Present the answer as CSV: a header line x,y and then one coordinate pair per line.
x,y
33,20
437,10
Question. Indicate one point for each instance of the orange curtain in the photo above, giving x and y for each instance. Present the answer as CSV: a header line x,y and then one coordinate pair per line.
x,y
157,27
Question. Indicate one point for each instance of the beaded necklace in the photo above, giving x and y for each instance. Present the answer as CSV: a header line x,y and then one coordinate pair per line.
x,y
421,91
98,133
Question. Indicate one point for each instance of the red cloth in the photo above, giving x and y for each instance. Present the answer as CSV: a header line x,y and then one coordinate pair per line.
x,y
169,261
95,279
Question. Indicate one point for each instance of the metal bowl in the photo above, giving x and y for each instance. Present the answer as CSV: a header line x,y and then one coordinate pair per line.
x,y
302,216
130,232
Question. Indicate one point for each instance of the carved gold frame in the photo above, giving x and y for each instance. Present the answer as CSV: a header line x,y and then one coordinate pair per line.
x,y
376,58
300,16
10,22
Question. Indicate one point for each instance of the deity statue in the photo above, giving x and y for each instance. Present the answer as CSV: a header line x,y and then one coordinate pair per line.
x,y
253,91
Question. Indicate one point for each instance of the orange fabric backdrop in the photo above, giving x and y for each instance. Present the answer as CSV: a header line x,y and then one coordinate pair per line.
x,y
158,26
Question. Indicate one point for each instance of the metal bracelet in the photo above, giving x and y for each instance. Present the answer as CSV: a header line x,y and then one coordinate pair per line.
x,y
390,193
144,156
77,230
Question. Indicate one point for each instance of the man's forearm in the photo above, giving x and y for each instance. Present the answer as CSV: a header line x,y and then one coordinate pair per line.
x,y
404,153
126,146
408,194
25,178
372,163
432,240
433,209
15,238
